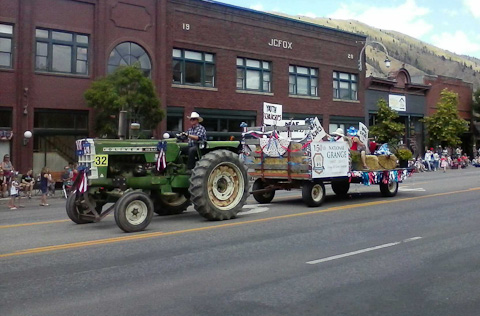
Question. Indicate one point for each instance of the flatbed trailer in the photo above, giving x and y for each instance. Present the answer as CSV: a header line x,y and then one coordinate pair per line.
x,y
276,162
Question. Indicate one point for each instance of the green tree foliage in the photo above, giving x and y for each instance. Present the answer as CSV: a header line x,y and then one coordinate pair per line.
x,y
125,89
387,129
445,126
476,105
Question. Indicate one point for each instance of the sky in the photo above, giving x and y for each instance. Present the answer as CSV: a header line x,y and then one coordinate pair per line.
x,y
453,25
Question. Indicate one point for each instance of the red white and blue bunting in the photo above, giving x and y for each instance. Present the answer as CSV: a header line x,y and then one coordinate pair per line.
x,y
384,176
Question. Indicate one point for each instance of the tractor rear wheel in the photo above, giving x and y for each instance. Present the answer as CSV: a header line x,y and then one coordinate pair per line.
x,y
175,204
133,211
77,206
219,185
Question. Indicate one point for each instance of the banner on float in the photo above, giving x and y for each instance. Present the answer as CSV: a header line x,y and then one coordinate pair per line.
x,y
272,113
329,159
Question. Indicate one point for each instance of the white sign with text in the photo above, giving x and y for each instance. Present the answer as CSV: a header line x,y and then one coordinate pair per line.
x,y
397,102
294,134
329,159
363,133
317,130
272,113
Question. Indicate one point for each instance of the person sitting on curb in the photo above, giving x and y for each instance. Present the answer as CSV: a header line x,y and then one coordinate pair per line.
x,y
358,146
27,183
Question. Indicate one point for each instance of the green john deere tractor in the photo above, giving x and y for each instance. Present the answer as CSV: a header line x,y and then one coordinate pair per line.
x,y
129,174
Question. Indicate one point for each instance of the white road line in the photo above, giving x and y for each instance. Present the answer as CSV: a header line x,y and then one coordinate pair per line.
x,y
412,189
254,209
363,250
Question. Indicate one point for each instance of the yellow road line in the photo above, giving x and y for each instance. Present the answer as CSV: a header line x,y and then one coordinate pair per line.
x,y
35,223
231,224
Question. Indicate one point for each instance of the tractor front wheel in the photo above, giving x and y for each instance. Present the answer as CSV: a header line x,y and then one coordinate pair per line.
x,y
133,211
77,206
219,185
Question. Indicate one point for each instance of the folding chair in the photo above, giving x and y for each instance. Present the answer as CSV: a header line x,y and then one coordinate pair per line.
x,y
66,188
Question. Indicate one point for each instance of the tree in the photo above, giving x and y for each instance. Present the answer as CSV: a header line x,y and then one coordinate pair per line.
x,y
476,106
445,126
387,129
125,89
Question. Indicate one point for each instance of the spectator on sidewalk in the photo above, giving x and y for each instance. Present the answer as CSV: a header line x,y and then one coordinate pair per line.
x,y
3,184
45,178
436,161
14,186
444,163
428,160
8,170
27,183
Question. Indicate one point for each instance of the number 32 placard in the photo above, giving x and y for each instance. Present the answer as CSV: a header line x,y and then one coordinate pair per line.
x,y
101,160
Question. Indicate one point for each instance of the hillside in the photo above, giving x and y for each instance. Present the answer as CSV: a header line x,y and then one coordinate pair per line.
x,y
418,57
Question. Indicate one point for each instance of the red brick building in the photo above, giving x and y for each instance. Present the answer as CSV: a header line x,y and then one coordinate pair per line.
x,y
220,60
462,88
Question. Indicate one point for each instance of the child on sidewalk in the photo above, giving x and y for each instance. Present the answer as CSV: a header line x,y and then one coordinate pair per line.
x,y
443,163
13,194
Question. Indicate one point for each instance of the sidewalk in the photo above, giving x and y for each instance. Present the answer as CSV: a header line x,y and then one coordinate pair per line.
x,y
34,201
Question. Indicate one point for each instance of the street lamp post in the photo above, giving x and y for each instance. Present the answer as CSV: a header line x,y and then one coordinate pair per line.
x,y
387,60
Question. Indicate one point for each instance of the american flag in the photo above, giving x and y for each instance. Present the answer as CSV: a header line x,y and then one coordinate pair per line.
x,y
83,185
161,160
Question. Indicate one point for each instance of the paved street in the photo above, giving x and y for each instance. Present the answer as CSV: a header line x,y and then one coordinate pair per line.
x,y
415,254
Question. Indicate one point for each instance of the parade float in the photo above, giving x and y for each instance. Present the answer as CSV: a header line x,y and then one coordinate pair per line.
x,y
285,155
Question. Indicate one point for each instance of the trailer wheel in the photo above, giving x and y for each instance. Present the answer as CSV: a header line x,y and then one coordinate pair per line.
x,y
389,189
340,187
263,197
133,211
313,193
170,205
219,185
76,207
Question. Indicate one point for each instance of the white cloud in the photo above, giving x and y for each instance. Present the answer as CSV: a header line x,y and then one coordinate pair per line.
x,y
473,6
457,42
258,7
309,15
406,18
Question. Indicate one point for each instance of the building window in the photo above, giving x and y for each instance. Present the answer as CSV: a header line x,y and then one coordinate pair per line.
x,y
225,124
344,86
6,47
62,52
303,81
127,54
175,118
254,75
193,68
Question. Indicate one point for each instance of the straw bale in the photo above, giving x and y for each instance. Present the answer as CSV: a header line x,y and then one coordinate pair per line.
x,y
387,162
372,162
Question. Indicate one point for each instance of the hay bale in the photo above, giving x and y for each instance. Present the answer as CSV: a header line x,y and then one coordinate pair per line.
x,y
387,162
372,162
295,146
